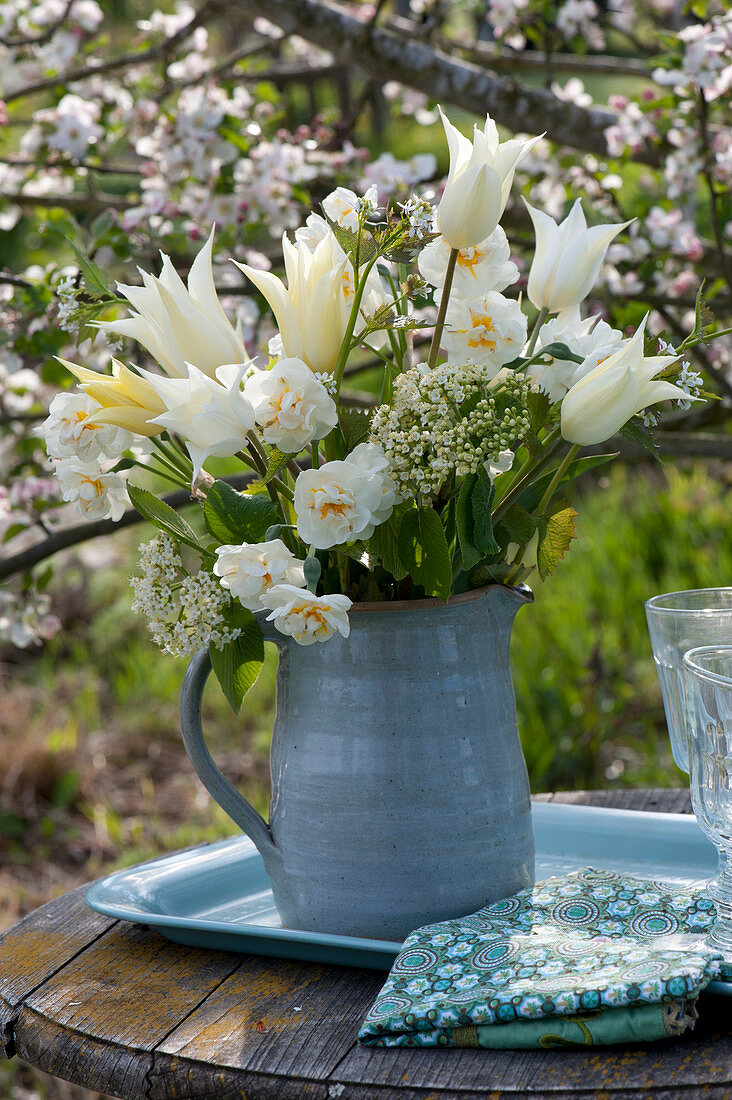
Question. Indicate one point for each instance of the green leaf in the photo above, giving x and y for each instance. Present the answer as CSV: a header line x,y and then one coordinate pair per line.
x,y
95,281
519,524
233,518
423,549
556,530
163,516
276,460
538,405
384,545
13,530
636,432
349,242
355,426
561,351
481,501
464,520
238,664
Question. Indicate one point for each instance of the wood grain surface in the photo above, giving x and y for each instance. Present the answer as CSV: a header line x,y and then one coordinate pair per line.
x,y
116,1007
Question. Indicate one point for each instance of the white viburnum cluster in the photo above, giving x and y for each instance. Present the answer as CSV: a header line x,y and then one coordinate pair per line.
x,y
447,420
184,613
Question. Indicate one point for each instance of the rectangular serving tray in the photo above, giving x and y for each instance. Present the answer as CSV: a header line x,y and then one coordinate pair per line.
x,y
218,896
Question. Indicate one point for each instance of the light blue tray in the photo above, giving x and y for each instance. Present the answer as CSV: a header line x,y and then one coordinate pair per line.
x,y
218,895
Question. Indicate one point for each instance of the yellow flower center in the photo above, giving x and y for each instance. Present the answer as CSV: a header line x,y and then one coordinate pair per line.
x,y
482,328
469,257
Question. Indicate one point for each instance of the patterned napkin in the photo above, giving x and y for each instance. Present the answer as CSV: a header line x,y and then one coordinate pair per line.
x,y
587,958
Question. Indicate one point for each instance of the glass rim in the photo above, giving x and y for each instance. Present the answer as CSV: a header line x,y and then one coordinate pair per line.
x,y
690,659
652,603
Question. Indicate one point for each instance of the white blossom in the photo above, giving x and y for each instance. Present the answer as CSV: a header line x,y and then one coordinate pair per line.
x,y
305,617
345,499
291,406
95,494
489,329
251,569
70,432
480,268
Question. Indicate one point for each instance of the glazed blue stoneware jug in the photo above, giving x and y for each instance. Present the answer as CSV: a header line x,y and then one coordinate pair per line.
x,y
399,789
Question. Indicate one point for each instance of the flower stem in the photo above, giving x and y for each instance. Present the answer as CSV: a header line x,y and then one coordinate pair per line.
x,y
543,314
442,312
558,475
531,466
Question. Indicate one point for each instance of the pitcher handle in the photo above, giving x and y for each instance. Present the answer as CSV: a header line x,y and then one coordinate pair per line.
x,y
217,785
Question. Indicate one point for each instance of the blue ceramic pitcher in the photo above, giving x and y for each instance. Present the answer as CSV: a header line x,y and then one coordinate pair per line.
x,y
399,789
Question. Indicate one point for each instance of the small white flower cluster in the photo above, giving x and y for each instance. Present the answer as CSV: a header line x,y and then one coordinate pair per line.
x,y
183,615
690,381
448,419
420,215
67,292
82,453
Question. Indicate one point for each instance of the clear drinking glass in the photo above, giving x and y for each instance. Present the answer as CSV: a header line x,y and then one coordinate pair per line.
x,y
678,621
708,690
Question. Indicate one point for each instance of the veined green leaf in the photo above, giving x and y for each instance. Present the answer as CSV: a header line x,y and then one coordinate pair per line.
x,y
556,530
424,551
238,664
384,545
233,518
163,516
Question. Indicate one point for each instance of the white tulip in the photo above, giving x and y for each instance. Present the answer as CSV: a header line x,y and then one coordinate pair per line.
x,y
312,311
592,338
567,258
290,405
305,617
70,431
602,401
480,268
250,570
489,330
95,494
212,415
179,325
478,183
344,500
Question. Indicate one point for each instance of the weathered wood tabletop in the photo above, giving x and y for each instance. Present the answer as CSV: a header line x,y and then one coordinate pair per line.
x,y
117,1008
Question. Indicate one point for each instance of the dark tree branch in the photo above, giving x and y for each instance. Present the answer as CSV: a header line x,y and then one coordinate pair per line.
x,y
388,52
81,532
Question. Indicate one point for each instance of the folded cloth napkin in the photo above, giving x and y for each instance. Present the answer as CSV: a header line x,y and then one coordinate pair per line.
x,y
586,958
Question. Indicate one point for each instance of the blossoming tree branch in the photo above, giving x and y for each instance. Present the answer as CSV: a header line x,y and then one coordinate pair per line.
x,y
106,169
455,480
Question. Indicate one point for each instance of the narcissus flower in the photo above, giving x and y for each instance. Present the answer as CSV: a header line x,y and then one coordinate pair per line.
x,y
567,258
71,432
490,330
305,617
478,183
591,338
601,402
180,325
345,499
480,268
291,407
250,570
95,494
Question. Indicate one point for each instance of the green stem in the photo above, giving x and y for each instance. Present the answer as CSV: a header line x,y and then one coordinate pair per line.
x,y
528,470
543,314
691,341
555,481
350,327
442,312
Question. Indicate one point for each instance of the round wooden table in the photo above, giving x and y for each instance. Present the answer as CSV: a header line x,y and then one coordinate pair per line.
x,y
117,1008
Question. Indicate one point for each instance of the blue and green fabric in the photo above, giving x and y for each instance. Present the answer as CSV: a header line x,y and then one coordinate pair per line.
x,y
587,958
